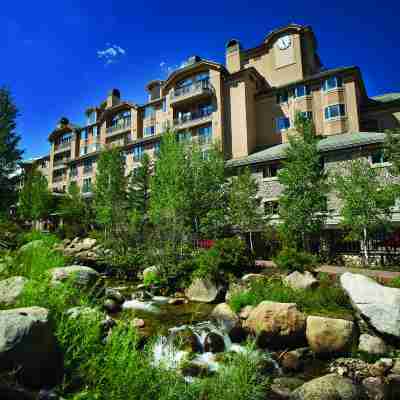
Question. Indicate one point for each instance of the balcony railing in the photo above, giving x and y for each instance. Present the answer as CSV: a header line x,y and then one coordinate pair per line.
x,y
121,125
60,163
191,90
62,146
87,170
57,179
86,188
192,117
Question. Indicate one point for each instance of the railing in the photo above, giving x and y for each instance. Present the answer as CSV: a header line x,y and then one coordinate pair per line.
x,y
61,146
204,139
194,88
87,170
60,163
86,188
57,179
122,124
191,117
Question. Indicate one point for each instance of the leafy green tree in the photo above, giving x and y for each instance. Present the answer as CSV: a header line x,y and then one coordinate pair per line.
x,y
10,154
75,211
392,150
367,200
139,195
244,207
110,198
35,199
305,187
170,195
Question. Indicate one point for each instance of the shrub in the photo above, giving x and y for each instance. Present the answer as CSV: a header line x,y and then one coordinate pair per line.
x,y
327,299
395,283
9,233
47,238
290,260
152,278
226,257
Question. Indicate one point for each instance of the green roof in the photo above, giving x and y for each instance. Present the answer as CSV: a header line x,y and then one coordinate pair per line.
x,y
387,97
334,142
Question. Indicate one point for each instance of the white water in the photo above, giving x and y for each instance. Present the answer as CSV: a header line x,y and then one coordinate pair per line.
x,y
137,305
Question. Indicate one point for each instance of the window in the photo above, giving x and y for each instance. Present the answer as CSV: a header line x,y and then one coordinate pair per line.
x,y
87,185
73,171
205,134
332,82
282,97
184,136
84,134
271,207
301,91
137,152
184,82
121,119
205,109
306,114
149,130
157,147
149,111
282,123
335,111
379,157
164,105
270,171
94,131
91,118
204,76
87,166
83,150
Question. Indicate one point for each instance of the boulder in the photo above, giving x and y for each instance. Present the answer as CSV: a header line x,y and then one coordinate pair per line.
x,y
245,312
372,345
396,366
28,345
34,244
329,335
214,343
11,289
249,278
377,304
277,324
298,281
186,340
225,316
381,367
80,275
375,388
203,291
115,295
282,388
328,387
294,360
149,271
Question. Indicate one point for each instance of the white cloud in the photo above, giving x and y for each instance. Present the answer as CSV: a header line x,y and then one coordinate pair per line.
x,y
162,64
111,54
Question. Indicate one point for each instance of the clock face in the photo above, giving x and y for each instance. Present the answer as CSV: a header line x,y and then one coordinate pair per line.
x,y
284,42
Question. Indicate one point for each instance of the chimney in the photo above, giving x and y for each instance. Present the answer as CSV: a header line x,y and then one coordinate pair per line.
x,y
113,98
233,56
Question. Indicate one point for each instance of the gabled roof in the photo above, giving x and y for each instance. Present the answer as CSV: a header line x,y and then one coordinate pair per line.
x,y
387,97
330,143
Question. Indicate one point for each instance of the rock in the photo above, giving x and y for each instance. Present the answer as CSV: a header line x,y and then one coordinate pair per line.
x,y
245,312
160,299
381,367
203,291
225,316
235,288
329,335
396,366
27,344
282,388
353,368
300,281
328,387
82,311
177,301
78,274
294,360
138,323
379,305
375,388
114,294
11,289
34,244
214,343
277,324
372,345
111,306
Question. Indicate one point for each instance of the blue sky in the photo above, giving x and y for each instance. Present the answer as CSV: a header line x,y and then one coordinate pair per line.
x,y
49,50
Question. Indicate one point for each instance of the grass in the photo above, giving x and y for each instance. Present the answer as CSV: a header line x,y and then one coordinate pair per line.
x,y
326,300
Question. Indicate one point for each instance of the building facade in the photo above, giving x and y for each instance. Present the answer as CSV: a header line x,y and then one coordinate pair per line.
x,y
247,106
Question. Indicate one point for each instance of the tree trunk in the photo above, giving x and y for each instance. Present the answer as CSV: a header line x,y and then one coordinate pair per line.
x,y
251,241
365,247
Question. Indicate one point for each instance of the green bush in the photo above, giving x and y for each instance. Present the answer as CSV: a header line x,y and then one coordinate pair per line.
x,y
226,257
47,238
327,299
290,260
152,278
395,283
9,233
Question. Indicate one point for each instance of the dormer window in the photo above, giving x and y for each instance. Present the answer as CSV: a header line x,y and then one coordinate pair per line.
x,y
332,82
282,97
122,118
91,117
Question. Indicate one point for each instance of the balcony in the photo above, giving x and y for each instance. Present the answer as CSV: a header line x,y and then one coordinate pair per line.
x,y
58,179
58,148
121,126
60,163
192,119
195,91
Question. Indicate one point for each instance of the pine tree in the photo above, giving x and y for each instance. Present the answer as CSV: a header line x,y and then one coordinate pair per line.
x,y
10,154
305,188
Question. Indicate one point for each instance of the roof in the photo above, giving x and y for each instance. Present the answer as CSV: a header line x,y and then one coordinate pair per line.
x,y
387,97
334,142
